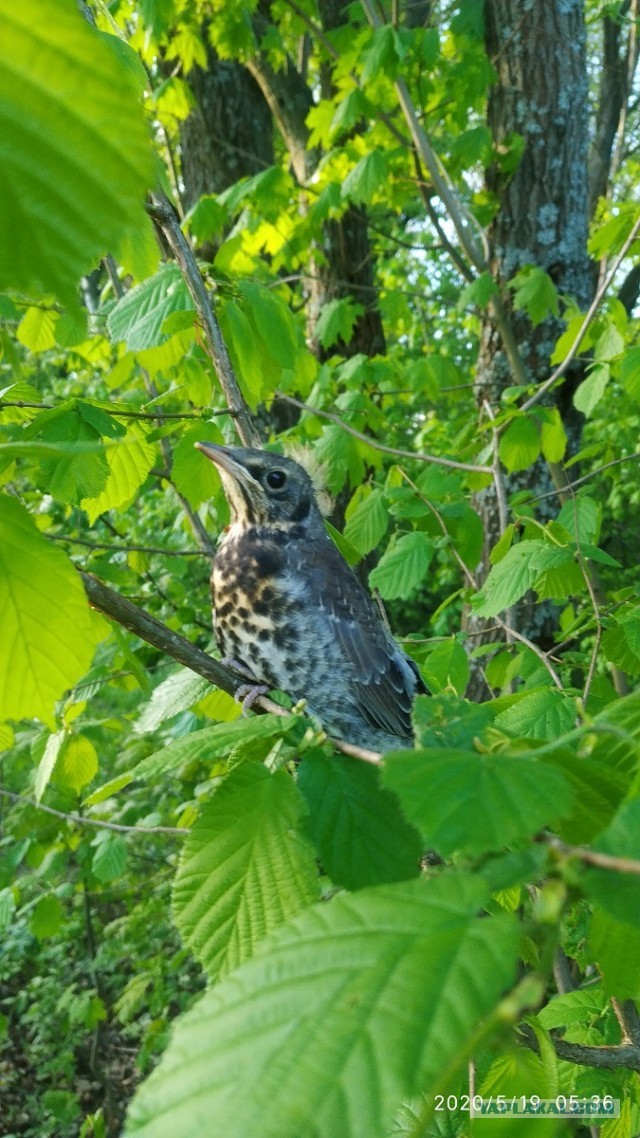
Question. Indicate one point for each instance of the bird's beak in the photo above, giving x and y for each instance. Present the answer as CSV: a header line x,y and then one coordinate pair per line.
x,y
223,458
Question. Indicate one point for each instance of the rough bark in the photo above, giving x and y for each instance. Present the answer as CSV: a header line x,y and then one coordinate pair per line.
x,y
538,51
229,133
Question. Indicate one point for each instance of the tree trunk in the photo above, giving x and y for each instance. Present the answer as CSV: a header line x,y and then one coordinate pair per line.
x,y
539,53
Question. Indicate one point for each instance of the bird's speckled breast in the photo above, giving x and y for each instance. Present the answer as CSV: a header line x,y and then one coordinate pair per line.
x,y
255,605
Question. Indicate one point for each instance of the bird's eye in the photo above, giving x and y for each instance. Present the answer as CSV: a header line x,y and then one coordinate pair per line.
x,y
275,479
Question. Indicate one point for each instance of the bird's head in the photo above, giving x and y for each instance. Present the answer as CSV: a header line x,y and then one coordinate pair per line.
x,y
263,488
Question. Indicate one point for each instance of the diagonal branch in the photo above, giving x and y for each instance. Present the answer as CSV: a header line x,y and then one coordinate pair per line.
x,y
163,214
142,624
605,1058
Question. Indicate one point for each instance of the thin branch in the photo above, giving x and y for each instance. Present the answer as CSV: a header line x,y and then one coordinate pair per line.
x,y
586,477
163,214
126,548
419,456
605,1058
142,624
118,414
593,857
586,323
81,820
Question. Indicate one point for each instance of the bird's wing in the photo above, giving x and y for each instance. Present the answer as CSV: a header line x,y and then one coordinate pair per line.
x,y
384,680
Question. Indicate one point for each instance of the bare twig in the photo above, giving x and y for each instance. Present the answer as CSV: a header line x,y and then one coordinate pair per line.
x,y
605,1058
586,477
117,413
126,548
81,820
593,857
417,455
163,214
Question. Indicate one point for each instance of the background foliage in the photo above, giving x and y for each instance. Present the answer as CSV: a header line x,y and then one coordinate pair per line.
x,y
399,235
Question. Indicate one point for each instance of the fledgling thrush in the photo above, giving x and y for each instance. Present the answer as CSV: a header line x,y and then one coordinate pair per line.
x,y
290,611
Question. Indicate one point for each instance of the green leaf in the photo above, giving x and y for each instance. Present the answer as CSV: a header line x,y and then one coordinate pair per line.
x,y
590,392
479,293
273,322
207,219
244,352
465,529
244,868
509,580
47,916
110,858
577,1007
70,475
553,437
210,743
356,824
367,523
36,330
47,630
630,372
463,800
130,459
366,179
47,763
193,475
345,1012
519,446
618,893
403,567
616,950
139,316
535,293
175,694
382,55
541,715
447,668
581,516
63,87
78,763
337,321
609,344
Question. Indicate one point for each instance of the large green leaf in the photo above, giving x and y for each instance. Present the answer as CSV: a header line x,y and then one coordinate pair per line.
x,y
344,1012
129,460
516,572
210,743
463,800
618,892
48,635
74,178
367,522
138,318
403,567
244,869
356,824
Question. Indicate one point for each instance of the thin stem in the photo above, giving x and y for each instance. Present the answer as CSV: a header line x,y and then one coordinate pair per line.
x,y
126,548
163,214
593,857
417,455
81,820
586,323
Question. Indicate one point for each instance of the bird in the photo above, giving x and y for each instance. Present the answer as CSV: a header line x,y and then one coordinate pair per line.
x,y
289,612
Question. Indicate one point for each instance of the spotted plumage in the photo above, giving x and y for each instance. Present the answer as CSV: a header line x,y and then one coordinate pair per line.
x,y
288,608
